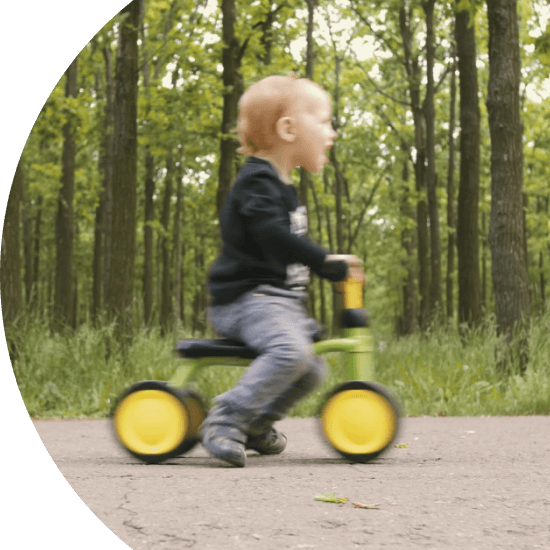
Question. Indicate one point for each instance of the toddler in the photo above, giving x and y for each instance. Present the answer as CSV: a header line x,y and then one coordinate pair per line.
x,y
258,283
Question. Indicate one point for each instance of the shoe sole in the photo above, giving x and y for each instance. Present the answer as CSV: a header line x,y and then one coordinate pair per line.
x,y
233,459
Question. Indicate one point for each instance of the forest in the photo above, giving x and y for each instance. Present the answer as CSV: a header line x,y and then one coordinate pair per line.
x,y
439,178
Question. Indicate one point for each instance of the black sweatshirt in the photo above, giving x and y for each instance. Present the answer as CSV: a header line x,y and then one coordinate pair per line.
x,y
264,238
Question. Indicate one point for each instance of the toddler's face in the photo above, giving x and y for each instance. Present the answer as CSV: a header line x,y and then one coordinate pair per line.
x,y
315,133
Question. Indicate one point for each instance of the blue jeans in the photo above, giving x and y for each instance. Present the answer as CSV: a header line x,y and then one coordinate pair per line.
x,y
275,323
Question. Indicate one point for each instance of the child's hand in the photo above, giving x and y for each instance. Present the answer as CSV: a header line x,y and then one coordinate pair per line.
x,y
350,259
355,264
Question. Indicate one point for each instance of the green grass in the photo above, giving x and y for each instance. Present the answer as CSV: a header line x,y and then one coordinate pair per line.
x,y
80,375
440,373
437,373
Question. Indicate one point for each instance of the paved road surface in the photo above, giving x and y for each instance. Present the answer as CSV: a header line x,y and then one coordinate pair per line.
x,y
461,483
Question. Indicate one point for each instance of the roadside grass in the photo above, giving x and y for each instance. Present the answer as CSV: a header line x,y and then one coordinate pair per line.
x,y
81,374
442,374
436,373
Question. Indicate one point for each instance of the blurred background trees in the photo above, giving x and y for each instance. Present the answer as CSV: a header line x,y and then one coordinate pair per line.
x,y
439,178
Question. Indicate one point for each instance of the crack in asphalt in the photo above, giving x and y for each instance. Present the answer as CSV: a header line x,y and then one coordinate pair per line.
x,y
128,510
188,543
129,522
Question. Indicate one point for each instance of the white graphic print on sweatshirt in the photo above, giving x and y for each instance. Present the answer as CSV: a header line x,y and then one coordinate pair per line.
x,y
298,274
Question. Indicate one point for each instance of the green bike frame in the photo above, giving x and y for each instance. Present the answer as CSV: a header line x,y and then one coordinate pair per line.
x,y
356,342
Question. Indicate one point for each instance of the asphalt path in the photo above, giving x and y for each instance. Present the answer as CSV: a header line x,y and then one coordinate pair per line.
x,y
449,483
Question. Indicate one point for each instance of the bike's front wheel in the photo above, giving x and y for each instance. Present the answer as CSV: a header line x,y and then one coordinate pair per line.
x,y
360,420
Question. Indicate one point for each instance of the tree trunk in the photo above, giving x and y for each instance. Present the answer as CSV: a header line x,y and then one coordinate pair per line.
x,y
149,207
431,175
200,296
542,277
266,38
451,223
338,194
310,67
121,278
340,186
178,247
27,248
97,267
36,253
509,273
166,290
469,289
103,211
159,64
414,78
233,89
108,183
484,260
305,178
408,322
183,294
322,305
74,312
64,230
148,237
542,281
10,267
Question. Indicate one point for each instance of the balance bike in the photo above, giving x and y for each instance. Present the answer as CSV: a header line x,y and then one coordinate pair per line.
x,y
156,421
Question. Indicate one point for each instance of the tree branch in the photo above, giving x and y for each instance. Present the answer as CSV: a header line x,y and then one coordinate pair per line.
x,y
368,202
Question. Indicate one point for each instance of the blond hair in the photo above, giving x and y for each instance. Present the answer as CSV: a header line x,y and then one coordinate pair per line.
x,y
261,106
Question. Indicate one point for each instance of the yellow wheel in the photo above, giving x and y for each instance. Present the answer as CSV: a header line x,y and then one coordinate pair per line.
x,y
153,422
360,420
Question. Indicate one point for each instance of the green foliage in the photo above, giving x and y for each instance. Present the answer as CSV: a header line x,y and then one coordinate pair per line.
x,y
180,111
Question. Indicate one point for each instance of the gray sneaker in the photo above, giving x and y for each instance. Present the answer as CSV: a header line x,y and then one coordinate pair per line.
x,y
271,442
225,443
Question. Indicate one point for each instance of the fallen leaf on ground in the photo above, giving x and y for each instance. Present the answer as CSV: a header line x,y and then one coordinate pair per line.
x,y
365,506
331,498
402,446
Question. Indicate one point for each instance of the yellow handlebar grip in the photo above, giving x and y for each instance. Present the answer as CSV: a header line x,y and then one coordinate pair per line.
x,y
352,290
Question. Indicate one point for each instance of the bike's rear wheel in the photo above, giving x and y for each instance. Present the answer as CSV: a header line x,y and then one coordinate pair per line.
x,y
155,422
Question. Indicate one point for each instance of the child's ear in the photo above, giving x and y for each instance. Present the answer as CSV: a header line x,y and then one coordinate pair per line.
x,y
286,129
